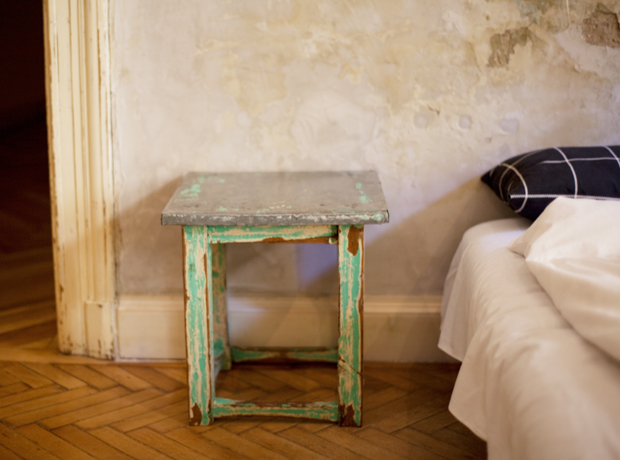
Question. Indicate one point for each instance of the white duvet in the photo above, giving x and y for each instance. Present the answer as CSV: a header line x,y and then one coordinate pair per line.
x,y
530,383
573,250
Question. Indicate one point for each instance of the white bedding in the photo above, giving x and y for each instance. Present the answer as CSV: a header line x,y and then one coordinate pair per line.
x,y
573,250
529,385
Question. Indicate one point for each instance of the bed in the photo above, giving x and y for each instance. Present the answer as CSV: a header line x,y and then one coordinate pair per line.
x,y
538,381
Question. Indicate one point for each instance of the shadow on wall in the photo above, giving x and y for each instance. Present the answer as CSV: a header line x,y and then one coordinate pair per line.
x,y
140,268
415,253
429,238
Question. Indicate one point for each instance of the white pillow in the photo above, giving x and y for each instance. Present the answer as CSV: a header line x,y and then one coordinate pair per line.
x,y
573,249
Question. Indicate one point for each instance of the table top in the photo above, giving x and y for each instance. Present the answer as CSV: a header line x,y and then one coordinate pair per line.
x,y
278,198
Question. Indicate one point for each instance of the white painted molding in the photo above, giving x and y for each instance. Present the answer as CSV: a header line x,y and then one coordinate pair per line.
x,y
396,329
79,132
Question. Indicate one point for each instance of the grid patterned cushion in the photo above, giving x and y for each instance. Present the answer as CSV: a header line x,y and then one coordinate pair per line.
x,y
529,182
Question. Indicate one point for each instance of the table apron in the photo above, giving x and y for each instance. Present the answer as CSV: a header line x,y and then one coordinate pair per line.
x,y
327,234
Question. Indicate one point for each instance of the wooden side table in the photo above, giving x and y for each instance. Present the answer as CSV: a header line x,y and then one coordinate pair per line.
x,y
299,207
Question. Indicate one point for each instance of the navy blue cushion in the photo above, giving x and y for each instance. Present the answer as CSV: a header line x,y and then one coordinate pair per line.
x,y
529,182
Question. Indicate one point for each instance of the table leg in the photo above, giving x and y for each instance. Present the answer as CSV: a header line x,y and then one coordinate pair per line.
x,y
197,269
351,270
220,326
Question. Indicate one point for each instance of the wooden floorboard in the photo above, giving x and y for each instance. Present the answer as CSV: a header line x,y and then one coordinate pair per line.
x,y
54,406
137,411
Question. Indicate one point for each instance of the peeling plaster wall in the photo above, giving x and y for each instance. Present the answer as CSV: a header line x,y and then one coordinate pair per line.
x,y
430,94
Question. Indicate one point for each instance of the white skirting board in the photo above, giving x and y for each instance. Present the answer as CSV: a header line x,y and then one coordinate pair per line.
x,y
396,329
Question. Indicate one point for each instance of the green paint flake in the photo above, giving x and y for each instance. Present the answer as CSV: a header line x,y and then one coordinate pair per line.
x,y
324,355
363,197
193,191
301,354
350,326
222,208
196,320
251,355
320,410
240,234
221,180
220,328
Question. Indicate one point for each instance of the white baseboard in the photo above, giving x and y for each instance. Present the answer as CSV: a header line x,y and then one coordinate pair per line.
x,y
396,329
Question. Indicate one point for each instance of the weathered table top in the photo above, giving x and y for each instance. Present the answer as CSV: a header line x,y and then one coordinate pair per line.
x,y
277,198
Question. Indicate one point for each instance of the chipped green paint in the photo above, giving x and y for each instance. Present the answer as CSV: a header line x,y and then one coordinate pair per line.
x,y
363,198
278,198
207,329
379,217
319,410
231,217
351,270
197,268
220,327
329,355
251,234
191,192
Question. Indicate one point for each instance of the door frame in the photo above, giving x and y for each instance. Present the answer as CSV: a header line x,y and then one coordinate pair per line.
x,y
77,79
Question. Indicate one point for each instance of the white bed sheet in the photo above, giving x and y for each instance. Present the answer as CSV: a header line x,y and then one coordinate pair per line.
x,y
529,384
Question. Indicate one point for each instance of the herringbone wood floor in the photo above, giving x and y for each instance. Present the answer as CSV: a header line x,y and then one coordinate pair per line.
x,y
56,406
123,411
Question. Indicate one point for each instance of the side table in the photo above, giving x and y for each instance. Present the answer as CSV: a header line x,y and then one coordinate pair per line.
x,y
275,207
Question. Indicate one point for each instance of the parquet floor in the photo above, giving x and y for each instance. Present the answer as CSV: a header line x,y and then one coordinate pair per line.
x,y
139,411
61,407
27,308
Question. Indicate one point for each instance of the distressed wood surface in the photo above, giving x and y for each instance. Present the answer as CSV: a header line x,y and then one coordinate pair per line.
x,y
318,410
351,272
77,74
274,234
278,198
218,209
326,355
199,330
220,310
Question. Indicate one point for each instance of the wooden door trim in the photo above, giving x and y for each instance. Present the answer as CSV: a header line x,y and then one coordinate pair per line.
x,y
77,74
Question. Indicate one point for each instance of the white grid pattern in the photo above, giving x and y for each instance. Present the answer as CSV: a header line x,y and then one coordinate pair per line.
x,y
529,182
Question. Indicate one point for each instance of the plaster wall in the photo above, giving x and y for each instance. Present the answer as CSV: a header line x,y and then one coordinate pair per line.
x,y
429,94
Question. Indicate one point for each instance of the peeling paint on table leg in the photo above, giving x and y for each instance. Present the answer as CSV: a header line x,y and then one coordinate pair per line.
x,y
353,240
198,327
211,367
346,415
220,313
351,298
195,415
